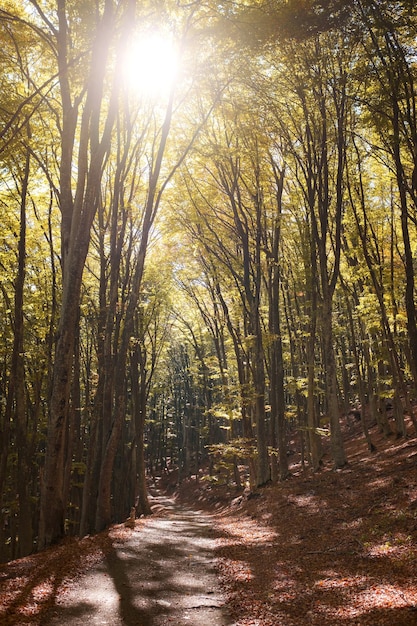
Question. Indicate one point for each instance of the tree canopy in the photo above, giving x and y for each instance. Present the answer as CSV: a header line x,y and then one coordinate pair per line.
x,y
205,248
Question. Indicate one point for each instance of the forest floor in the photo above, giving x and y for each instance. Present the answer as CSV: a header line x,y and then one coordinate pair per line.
x,y
334,548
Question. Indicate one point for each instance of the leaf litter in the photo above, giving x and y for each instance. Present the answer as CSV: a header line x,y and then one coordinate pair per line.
x,y
335,547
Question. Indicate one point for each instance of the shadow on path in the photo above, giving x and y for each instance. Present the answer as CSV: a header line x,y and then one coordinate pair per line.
x,y
163,574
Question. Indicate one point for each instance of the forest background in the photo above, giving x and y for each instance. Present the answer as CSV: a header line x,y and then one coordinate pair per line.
x,y
193,271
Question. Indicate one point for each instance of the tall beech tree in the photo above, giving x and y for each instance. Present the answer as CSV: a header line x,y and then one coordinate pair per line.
x,y
374,263
103,513
78,208
388,45
317,140
272,242
235,168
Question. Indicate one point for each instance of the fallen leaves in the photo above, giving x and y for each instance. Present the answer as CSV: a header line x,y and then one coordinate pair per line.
x,y
31,586
326,549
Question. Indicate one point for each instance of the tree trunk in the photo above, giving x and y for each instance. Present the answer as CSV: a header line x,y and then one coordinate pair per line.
x,y
276,377
359,373
258,376
25,542
139,399
103,512
77,219
104,502
336,440
314,439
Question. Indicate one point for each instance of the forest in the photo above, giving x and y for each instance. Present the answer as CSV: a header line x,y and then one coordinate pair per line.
x,y
208,247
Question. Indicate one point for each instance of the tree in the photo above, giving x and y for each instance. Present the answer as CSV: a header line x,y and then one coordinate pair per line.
x,y
318,121
389,45
78,210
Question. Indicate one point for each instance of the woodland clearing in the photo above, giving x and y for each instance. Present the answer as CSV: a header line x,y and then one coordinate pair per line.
x,y
331,548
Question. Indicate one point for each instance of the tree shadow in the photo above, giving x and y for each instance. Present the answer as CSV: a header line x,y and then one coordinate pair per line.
x,y
164,573
333,554
169,575
31,585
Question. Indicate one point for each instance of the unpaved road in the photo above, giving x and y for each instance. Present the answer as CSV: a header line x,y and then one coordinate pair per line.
x,y
164,574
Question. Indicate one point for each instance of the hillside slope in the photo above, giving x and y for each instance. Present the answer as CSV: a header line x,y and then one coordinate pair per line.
x,y
332,548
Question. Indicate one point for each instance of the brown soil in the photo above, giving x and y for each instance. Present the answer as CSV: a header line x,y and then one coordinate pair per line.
x,y
332,548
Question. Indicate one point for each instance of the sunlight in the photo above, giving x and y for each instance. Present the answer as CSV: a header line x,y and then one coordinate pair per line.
x,y
151,64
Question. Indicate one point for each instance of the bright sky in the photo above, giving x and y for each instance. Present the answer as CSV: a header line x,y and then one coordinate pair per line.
x,y
151,64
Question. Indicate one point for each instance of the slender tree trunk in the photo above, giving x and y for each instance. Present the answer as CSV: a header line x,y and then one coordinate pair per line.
x,y
397,81
103,511
408,253
359,373
276,378
336,440
276,382
295,368
258,374
243,381
315,445
397,374
139,398
314,439
77,218
25,543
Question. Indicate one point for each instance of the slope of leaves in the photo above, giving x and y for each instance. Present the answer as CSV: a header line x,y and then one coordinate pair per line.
x,y
30,586
328,548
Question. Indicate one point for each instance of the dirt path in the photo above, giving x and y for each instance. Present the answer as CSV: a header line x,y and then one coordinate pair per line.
x,y
164,574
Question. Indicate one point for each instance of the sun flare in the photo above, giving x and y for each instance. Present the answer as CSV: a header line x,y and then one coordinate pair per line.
x,y
151,64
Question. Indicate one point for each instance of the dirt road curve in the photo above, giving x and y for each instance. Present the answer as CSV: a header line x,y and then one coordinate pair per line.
x,y
164,574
